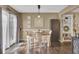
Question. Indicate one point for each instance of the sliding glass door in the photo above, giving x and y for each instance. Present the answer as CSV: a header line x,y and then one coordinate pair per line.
x,y
5,37
9,26
12,28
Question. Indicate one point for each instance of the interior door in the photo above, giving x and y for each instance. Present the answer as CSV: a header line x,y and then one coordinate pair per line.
x,y
55,27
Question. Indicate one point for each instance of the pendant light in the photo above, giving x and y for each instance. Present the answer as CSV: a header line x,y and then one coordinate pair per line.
x,y
38,11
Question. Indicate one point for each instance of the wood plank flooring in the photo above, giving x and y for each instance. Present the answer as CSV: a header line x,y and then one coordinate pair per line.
x,y
63,48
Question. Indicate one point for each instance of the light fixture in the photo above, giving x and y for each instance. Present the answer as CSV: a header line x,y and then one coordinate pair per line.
x,y
38,11
38,16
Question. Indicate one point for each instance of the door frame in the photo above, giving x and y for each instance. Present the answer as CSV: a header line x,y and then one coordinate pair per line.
x,y
59,27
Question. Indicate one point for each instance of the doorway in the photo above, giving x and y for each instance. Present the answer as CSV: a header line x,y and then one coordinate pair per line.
x,y
55,35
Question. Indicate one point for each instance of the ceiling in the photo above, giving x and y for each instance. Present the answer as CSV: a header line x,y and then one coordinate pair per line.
x,y
34,8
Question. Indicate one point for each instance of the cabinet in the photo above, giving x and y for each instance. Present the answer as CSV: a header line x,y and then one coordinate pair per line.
x,y
27,23
67,27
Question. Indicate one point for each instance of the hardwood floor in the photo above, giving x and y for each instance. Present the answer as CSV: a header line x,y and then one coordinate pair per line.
x,y
63,48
